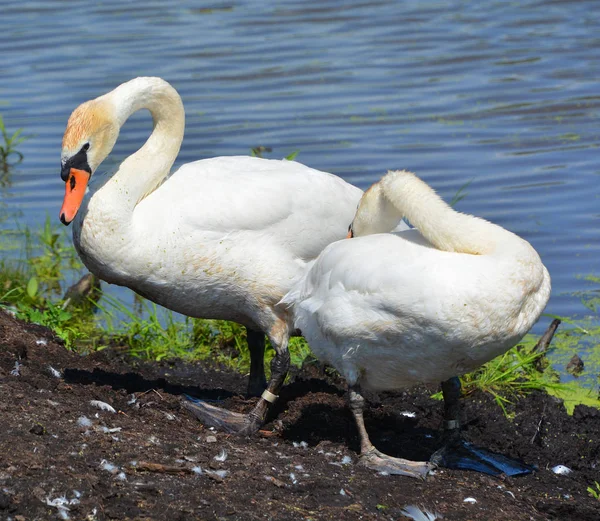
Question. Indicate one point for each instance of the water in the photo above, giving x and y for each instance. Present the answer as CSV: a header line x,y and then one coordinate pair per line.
x,y
503,95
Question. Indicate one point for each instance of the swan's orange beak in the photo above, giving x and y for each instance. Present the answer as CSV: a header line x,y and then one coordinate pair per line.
x,y
75,186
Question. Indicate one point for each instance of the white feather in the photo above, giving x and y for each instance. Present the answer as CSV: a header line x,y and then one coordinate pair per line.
x,y
103,406
417,514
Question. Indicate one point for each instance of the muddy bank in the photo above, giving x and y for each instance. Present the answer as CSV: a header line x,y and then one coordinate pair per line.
x,y
62,456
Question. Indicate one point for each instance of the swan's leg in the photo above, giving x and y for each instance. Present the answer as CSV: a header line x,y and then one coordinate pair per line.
x,y
280,365
234,422
459,454
451,392
256,345
371,457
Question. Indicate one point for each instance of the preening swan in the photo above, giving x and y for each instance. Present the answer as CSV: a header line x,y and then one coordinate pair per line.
x,y
389,310
220,238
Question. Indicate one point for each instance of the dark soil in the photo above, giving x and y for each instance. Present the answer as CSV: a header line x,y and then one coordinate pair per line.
x,y
295,469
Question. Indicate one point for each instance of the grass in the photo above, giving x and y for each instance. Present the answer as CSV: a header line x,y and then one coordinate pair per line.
x,y
33,288
260,150
594,491
460,194
54,317
155,333
522,370
507,376
8,147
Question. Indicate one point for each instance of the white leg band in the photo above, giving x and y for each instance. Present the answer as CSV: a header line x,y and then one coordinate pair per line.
x,y
269,396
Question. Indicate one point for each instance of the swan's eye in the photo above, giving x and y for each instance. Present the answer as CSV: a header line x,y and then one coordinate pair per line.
x,y
85,147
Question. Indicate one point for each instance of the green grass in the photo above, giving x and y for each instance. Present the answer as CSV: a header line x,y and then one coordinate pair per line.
x,y
522,370
508,376
260,150
461,193
9,155
594,491
154,333
33,287
54,317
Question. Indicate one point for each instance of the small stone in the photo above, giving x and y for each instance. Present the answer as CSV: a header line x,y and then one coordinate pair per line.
x,y
38,430
4,500
39,493
211,439
277,482
575,365
354,507
217,475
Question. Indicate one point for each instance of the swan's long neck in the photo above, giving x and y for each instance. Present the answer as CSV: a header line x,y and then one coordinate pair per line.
x,y
402,194
143,171
517,265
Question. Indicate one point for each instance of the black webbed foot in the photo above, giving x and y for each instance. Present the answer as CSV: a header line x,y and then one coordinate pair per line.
x,y
462,455
222,419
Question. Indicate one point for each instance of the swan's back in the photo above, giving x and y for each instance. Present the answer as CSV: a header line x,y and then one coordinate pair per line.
x,y
298,207
227,237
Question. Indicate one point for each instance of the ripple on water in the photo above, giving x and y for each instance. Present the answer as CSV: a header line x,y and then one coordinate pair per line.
x,y
501,95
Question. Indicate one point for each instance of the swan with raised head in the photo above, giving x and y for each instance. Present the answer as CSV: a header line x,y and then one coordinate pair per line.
x,y
390,310
220,238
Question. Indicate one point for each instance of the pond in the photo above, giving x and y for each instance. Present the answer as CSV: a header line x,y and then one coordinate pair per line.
x,y
498,98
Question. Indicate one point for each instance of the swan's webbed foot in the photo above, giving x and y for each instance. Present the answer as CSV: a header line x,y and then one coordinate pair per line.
x,y
459,454
222,419
462,455
373,459
380,462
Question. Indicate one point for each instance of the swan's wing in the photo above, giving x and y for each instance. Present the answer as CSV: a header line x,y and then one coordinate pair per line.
x,y
370,284
380,286
300,208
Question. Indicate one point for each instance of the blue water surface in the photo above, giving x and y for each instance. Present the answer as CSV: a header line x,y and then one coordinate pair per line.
x,y
502,95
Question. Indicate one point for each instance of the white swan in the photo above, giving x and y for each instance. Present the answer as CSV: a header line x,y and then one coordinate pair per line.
x,y
392,310
220,238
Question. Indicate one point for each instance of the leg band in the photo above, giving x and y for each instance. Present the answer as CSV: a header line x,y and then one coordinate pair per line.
x,y
269,396
452,424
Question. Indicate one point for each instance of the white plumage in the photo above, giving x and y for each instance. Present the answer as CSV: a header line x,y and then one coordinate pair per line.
x,y
224,237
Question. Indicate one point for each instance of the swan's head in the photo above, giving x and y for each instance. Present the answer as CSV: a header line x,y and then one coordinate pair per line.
x,y
375,214
91,134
